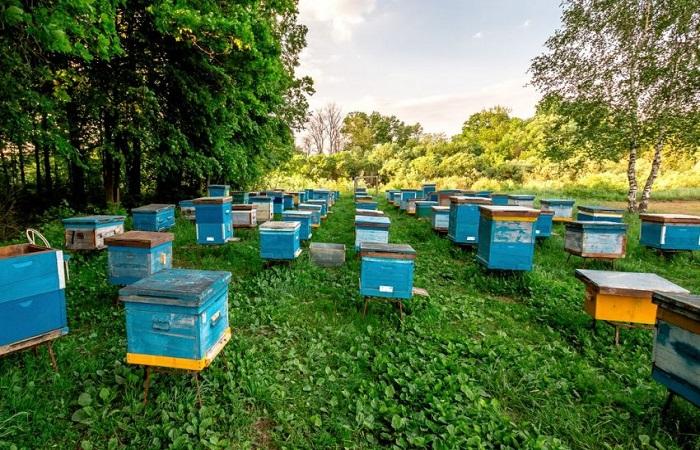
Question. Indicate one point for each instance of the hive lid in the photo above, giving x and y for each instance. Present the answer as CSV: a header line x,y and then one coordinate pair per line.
x,y
401,251
684,304
411,190
153,207
499,194
368,212
139,239
671,218
260,199
242,207
546,212
558,201
462,199
521,196
183,287
598,224
310,206
93,220
212,200
326,246
508,211
439,208
273,225
426,203
186,203
601,209
298,213
323,191
627,283
429,184
378,221
220,186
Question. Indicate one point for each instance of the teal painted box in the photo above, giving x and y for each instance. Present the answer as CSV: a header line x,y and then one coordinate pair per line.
x,y
406,195
428,188
599,214
506,237
154,217
304,218
280,240
177,318
499,199
89,232
218,190
670,232
386,270
213,220
524,200
463,227
240,197
138,254
543,226
323,204
440,219
563,208
288,202
424,208
315,209
371,229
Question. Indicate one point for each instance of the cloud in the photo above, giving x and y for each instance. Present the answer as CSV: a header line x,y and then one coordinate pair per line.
x,y
341,15
526,24
478,35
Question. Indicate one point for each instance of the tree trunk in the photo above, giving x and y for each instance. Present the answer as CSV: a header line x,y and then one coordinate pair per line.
x,y
632,178
653,173
133,173
75,167
37,163
48,183
20,154
110,164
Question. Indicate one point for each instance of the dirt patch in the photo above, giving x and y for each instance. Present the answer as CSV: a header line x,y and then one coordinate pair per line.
x,y
261,433
673,207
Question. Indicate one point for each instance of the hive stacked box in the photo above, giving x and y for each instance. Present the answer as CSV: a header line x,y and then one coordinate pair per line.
x,y
280,240
670,232
371,229
463,227
440,218
213,220
89,232
138,254
263,207
218,190
524,200
187,209
304,218
506,237
595,239
599,214
154,217
386,270
563,208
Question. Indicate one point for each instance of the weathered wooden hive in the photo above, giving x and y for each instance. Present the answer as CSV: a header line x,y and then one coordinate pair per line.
x,y
601,240
670,232
177,318
676,360
506,237
563,208
154,217
240,197
544,224
304,218
213,220
280,240
371,229
187,209
406,195
218,190
524,200
386,270
440,219
316,210
263,207
599,213
424,208
89,232
463,227
325,195
138,254
327,254
323,204
244,215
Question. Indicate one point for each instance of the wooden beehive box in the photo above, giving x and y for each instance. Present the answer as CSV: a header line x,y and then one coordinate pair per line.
x,y
424,209
213,220
601,240
599,213
544,224
288,202
280,240
325,195
177,318
138,254
563,208
240,197
440,219
499,199
524,200
323,204
263,207
218,190
371,229
32,296
187,209
366,202
154,217
406,195
244,215
390,194
386,270
277,201
304,218
670,232
623,296
463,226
445,195
506,237
316,210
327,255
428,188
396,198
368,212
676,360
89,232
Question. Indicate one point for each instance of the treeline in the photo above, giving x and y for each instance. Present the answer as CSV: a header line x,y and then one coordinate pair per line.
x,y
107,101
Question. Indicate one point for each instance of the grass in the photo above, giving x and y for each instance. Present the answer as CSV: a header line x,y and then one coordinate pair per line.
x,y
486,361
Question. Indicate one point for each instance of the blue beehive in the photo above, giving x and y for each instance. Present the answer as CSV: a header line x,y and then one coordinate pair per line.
x,y
440,219
543,226
366,203
407,194
309,194
371,229
32,296
589,239
386,270
280,240
214,220
428,188
424,209
89,232
323,204
218,190
263,207
368,212
563,208
389,193
506,237
303,197
498,199
177,318
599,214
187,209
154,217
524,200
484,194
304,218
288,202
463,227
138,254
316,210
324,194
277,201
240,197
670,232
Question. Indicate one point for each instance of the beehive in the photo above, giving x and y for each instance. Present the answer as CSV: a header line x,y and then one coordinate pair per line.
x,y
304,217
327,255
368,212
498,199
670,232
366,203
89,232
563,208
323,204
396,198
218,190
325,195
506,237
543,226
386,270
602,240
371,229
280,240
187,209
406,195
445,195
599,213
524,200
240,197
154,217
288,202
428,188
390,194
424,209
295,198
484,194
277,201
463,226
177,318
303,197
440,219
138,254
316,210
32,296
676,360
244,216
411,206
623,296
263,207
213,220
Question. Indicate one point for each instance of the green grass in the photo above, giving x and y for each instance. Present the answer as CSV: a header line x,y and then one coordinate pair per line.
x,y
486,361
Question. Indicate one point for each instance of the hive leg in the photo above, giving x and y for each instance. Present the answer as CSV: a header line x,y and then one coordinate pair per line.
x,y
199,391
364,311
146,385
401,311
667,403
617,335
52,355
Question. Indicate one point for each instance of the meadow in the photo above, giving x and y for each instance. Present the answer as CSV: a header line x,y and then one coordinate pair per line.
x,y
485,361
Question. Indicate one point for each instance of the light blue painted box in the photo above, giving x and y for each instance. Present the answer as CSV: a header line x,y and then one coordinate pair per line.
x,y
599,214
407,194
386,270
264,207
288,202
506,237
213,220
323,204
138,254
218,190
277,201
670,232
304,218
371,229
89,232
543,226
463,227
32,294
428,188
315,209
390,194
366,203
498,199
280,240
440,219
593,239
424,208
563,208
177,318
154,217
396,198
524,200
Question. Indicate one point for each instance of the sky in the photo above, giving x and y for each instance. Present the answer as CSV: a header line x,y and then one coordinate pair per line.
x,y
430,61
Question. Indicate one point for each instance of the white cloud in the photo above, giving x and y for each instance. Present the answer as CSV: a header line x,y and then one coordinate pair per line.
x,y
526,24
478,35
341,15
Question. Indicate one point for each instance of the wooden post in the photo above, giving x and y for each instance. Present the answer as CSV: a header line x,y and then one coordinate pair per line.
x,y
146,385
